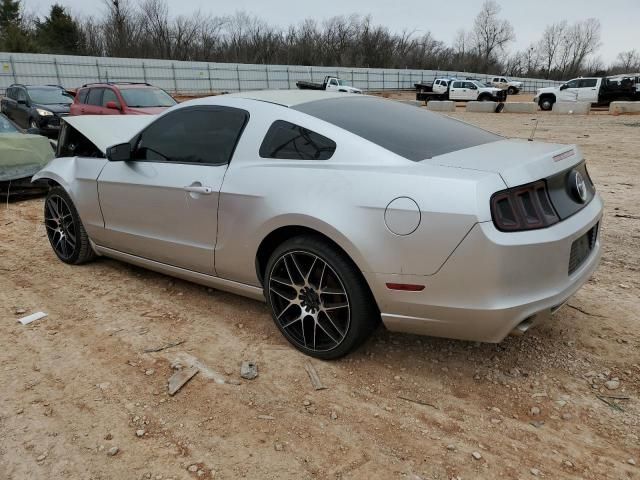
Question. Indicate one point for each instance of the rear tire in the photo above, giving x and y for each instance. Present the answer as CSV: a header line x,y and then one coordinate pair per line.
x,y
318,298
65,231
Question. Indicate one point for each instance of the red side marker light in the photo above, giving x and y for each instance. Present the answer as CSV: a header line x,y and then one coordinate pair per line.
x,y
405,287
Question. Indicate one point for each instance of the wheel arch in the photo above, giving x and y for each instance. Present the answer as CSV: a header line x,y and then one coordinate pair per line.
x,y
283,233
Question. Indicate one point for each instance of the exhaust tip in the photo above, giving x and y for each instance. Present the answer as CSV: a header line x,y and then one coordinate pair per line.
x,y
523,326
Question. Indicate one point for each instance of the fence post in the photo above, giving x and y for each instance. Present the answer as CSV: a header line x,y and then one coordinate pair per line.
x,y
352,78
398,79
209,77
266,71
175,80
238,77
368,79
144,73
382,79
311,74
13,69
55,66
98,70
288,78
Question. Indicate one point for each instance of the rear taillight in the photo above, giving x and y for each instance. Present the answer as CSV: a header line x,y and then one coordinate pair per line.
x,y
523,208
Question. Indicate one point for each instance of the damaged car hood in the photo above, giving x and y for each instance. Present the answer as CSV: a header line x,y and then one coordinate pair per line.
x,y
107,130
22,155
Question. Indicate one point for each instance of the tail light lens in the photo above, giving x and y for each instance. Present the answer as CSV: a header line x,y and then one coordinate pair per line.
x,y
523,208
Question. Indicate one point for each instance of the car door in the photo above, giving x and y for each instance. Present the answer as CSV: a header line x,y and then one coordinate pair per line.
x,y
458,91
470,91
333,84
163,204
588,90
569,91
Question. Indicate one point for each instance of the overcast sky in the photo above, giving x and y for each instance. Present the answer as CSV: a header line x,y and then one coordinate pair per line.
x,y
619,18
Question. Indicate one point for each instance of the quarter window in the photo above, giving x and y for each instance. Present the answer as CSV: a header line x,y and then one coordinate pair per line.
x,y
292,142
95,97
193,135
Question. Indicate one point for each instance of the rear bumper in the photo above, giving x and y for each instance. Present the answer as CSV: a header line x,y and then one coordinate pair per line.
x,y
492,282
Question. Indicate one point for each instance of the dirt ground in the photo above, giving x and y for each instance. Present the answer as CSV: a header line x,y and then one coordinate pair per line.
x,y
78,383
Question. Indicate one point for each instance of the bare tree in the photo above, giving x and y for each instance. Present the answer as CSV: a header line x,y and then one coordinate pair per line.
x,y
491,34
550,44
628,62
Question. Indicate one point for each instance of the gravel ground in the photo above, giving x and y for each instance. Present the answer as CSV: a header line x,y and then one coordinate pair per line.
x,y
82,399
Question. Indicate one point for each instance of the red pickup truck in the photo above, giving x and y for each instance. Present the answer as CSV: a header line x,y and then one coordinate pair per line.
x,y
120,98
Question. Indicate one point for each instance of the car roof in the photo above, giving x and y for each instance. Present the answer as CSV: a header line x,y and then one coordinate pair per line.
x,y
290,98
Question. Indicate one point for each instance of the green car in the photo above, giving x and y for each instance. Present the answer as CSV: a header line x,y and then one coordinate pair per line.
x,y
21,156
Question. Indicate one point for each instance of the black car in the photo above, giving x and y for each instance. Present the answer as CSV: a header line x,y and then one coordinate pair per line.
x,y
37,106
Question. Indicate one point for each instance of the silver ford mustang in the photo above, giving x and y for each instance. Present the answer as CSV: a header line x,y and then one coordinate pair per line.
x,y
338,210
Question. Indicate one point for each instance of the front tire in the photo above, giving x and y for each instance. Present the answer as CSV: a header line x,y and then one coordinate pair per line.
x,y
318,298
546,103
33,124
65,231
512,91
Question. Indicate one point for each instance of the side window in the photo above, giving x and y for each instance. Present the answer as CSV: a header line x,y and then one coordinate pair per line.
x,y
587,83
82,95
95,97
496,79
193,135
289,141
572,84
21,94
458,84
109,96
333,81
10,93
503,80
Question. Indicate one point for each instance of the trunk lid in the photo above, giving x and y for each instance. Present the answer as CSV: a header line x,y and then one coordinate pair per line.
x,y
516,161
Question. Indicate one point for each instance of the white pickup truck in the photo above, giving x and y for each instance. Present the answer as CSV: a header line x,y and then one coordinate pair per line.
x,y
595,90
503,83
459,90
330,83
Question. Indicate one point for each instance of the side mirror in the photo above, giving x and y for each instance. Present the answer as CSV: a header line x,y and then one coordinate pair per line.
x,y
563,86
119,153
22,101
112,105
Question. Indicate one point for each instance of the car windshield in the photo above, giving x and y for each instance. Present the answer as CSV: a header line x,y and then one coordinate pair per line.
x,y
50,96
146,97
6,126
342,83
411,132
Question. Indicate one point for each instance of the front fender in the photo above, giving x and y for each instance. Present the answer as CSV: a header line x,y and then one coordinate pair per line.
x,y
78,176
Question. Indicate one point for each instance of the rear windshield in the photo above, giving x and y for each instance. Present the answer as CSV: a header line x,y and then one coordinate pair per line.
x,y
405,130
146,97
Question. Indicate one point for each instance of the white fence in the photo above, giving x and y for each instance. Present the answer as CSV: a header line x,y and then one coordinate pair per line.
x,y
188,78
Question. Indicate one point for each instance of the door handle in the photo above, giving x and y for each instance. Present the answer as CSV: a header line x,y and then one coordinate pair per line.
x,y
202,190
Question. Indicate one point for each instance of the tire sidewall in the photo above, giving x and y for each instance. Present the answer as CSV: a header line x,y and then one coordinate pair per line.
x,y
359,314
77,224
